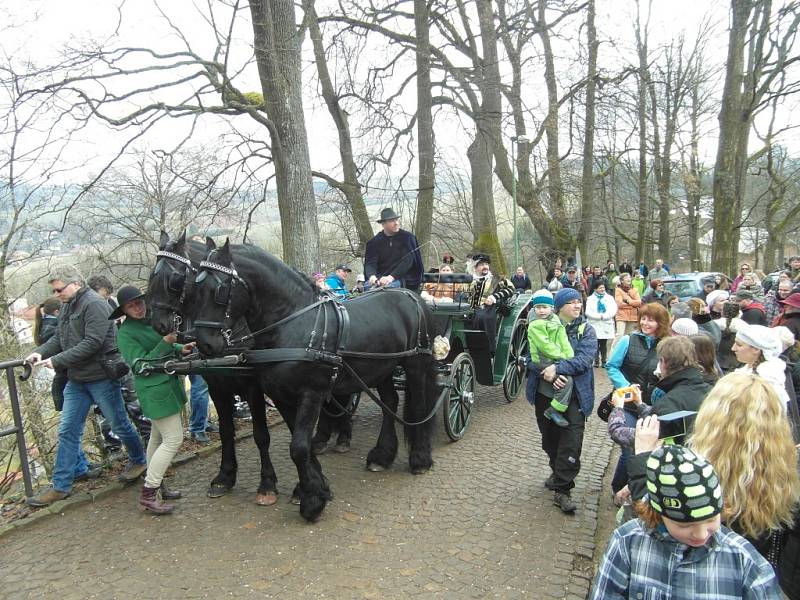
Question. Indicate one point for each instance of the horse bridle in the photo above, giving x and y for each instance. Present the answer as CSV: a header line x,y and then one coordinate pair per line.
x,y
176,282
223,294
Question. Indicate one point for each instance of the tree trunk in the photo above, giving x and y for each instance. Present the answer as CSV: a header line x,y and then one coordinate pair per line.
x,y
487,134
277,51
587,181
350,187
692,183
642,249
728,170
427,178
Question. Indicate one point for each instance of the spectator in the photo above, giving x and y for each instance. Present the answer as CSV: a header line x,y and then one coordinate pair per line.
x,y
628,303
563,444
83,341
392,257
773,306
657,293
102,285
683,327
319,281
639,283
708,287
678,547
45,320
572,280
626,267
743,269
680,310
161,396
715,301
794,268
642,268
484,292
791,314
335,282
706,357
441,291
633,362
601,308
752,311
610,273
360,280
547,342
658,272
758,349
554,283
751,283
729,325
705,323
521,280
597,276
721,282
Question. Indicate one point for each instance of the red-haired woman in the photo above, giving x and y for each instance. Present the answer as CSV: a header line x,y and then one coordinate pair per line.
x,y
632,362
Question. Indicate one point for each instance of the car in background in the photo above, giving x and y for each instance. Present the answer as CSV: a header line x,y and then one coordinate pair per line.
x,y
688,285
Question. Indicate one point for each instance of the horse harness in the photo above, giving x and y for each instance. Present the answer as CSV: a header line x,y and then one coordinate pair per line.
x,y
177,282
316,350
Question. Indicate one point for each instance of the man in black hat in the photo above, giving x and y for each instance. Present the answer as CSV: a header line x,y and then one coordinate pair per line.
x,y
485,292
335,281
392,257
752,311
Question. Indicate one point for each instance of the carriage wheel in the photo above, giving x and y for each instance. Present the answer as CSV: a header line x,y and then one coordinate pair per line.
x,y
517,349
458,396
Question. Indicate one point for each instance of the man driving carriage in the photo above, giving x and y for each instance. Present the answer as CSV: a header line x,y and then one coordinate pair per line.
x,y
392,258
485,292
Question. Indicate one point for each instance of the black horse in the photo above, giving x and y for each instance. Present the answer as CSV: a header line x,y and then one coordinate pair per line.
x,y
310,346
169,293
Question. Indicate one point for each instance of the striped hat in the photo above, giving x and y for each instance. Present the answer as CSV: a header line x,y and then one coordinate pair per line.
x,y
542,297
682,486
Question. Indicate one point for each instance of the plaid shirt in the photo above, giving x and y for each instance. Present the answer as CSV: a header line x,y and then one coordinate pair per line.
x,y
651,565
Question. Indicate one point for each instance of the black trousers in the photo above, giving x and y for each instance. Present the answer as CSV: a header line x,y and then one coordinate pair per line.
x,y
485,318
562,444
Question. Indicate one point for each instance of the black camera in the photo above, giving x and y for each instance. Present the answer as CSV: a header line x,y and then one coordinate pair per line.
x,y
675,425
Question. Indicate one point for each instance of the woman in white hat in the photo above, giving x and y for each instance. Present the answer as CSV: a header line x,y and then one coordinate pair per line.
x,y
758,348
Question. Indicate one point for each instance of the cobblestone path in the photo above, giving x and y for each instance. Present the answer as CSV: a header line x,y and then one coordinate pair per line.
x,y
479,525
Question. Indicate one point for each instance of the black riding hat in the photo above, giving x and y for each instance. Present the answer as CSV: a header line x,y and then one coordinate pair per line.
x,y
126,294
387,214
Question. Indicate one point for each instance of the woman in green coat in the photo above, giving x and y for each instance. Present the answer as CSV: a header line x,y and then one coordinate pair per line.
x,y
161,396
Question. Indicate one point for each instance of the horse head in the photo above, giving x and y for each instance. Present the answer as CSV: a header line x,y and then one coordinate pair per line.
x,y
220,298
168,284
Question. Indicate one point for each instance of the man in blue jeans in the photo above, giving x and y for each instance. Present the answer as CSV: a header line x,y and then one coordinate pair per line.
x,y
198,421
83,341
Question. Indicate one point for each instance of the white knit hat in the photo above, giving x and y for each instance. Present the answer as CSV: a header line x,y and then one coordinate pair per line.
x,y
715,297
684,327
765,339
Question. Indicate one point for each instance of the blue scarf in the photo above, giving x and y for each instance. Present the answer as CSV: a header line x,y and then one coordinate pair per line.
x,y
601,307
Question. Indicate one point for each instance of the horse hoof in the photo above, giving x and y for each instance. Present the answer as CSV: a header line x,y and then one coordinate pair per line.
x,y
375,468
217,491
419,470
319,448
267,499
295,500
342,448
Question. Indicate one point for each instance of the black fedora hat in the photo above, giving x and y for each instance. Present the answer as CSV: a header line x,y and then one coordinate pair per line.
x,y
126,294
482,258
388,214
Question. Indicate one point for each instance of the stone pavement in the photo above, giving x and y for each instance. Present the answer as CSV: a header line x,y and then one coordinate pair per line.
x,y
479,525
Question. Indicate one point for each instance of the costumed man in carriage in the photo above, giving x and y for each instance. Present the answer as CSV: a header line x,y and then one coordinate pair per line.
x,y
485,292
392,258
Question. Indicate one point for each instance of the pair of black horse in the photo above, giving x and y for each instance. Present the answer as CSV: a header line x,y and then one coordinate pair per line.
x,y
303,349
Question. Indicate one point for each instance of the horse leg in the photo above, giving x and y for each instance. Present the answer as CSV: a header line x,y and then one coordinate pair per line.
x,y
319,442
345,426
223,402
421,395
312,487
267,493
288,410
385,450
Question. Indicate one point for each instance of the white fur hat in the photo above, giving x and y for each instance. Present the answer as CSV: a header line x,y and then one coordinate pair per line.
x,y
765,339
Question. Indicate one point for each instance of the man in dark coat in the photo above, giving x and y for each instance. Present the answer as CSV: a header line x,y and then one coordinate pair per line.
x,y
392,257
485,291
521,280
563,445
753,312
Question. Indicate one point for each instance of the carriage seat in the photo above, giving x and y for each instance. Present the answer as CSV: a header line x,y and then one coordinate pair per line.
x,y
445,288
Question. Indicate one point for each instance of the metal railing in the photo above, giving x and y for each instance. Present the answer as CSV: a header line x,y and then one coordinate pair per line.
x,y
17,428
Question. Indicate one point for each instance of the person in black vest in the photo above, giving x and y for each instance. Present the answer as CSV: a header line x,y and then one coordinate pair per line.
x,y
392,257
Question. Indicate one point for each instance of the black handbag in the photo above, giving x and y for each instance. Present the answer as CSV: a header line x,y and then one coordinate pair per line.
x,y
604,407
114,366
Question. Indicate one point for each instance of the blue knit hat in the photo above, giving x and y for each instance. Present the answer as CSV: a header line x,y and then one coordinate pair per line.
x,y
542,297
565,295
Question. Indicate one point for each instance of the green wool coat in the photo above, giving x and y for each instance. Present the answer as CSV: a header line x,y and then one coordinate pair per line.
x,y
160,395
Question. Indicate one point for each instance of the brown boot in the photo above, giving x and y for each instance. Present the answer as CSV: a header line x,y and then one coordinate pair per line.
x,y
168,494
149,500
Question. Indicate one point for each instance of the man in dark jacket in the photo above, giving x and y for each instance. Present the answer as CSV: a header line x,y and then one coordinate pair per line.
x,y
752,312
626,267
563,444
521,280
392,258
83,342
